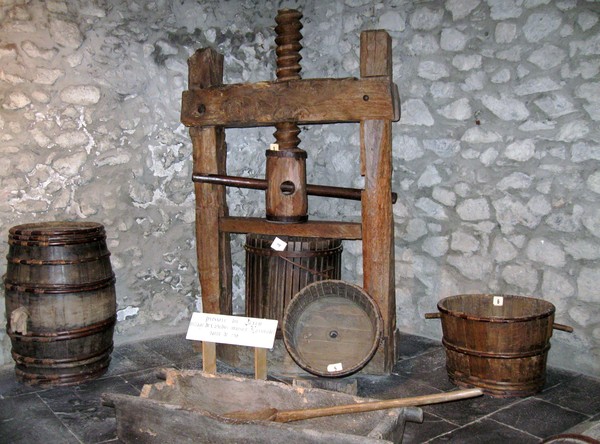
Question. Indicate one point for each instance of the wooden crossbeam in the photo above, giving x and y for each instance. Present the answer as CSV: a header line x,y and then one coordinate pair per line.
x,y
321,228
312,101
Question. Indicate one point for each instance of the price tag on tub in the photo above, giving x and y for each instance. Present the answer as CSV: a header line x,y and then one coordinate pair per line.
x,y
278,244
498,301
234,330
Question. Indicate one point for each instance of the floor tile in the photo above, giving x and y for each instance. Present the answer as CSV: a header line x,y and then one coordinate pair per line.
x,y
392,387
144,357
556,376
193,362
139,379
9,386
175,348
80,408
428,368
26,419
465,411
410,346
431,427
581,394
538,417
121,364
486,431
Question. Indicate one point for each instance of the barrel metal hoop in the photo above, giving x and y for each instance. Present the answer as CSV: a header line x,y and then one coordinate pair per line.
x,y
482,354
16,260
77,377
54,241
501,320
470,317
64,335
60,289
76,361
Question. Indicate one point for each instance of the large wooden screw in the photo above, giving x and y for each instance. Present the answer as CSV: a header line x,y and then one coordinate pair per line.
x,y
286,196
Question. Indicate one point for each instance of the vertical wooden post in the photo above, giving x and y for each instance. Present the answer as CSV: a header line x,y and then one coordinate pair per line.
x,y
209,157
260,363
209,357
377,215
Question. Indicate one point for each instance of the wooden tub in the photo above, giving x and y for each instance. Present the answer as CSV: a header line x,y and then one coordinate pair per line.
x,y
186,408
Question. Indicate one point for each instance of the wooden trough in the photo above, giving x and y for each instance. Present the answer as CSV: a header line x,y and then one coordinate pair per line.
x,y
188,407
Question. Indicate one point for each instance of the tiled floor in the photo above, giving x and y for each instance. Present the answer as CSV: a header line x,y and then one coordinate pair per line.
x,y
75,414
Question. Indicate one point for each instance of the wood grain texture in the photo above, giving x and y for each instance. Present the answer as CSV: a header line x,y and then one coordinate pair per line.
x,y
273,278
499,348
209,157
313,101
260,363
377,215
320,228
284,205
375,54
60,302
299,415
155,422
332,328
209,107
187,408
209,357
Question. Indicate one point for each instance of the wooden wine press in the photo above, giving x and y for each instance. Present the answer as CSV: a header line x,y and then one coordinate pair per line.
x,y
209,107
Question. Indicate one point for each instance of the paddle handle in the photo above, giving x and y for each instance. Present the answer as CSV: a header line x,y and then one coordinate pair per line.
x,y
562,327
297,415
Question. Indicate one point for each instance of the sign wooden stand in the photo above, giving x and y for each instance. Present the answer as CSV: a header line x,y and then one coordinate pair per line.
x,y
209,107
209,360
236,330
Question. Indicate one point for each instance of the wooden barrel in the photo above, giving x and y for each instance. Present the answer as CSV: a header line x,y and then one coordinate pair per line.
x,y
274,277
332,328
498,343
60,302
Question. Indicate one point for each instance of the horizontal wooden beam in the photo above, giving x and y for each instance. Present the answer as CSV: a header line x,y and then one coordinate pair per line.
x,y
311,101
320,228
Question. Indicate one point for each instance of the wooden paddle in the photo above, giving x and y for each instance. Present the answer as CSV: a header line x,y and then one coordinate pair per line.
x,y
272,414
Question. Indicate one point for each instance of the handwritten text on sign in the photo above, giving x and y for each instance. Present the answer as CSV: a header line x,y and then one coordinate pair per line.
x,y
236,330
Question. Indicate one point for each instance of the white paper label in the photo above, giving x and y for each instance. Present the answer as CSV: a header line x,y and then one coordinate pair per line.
x,y
498,301
278,244
337,367
274,147
235,330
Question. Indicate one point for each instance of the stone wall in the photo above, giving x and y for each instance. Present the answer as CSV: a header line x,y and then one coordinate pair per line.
x,y
496,155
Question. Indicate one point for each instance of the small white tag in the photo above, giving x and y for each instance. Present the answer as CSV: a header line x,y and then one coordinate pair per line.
x,y
498,301
337,367
278,244
274,147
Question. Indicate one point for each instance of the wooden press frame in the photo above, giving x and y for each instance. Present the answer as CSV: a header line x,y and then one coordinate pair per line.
x,y
208,107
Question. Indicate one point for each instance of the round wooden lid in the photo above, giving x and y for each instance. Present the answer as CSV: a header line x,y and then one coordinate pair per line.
x,y
332,328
